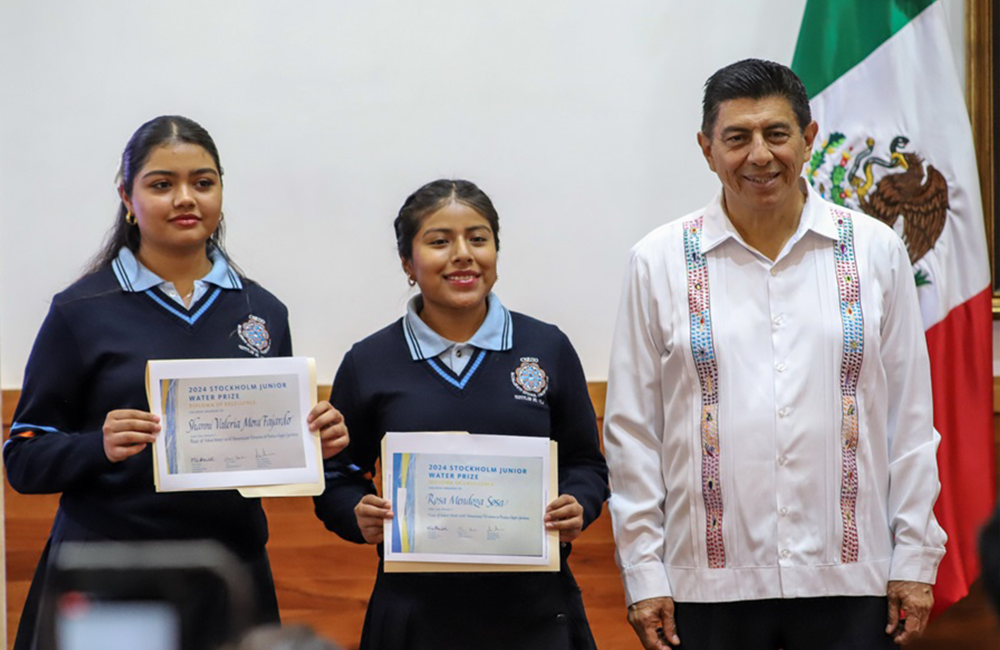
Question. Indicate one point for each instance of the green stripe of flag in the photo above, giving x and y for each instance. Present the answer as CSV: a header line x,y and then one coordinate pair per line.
x,y
836,35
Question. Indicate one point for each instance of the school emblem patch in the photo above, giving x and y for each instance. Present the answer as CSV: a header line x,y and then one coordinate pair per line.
x,y
530,379
256,339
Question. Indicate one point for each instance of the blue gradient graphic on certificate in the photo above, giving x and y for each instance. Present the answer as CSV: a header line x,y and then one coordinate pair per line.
x,y
466,504
170,435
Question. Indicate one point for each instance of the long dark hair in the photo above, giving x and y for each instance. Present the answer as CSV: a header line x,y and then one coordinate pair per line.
x,y
433,196
165,129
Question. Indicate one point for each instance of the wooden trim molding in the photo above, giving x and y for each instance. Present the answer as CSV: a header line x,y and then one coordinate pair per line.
x,y
598,392
597,389
979,95
8,399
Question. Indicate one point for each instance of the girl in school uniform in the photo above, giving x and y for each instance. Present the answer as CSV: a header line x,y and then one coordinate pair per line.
x,y
460,361
162,288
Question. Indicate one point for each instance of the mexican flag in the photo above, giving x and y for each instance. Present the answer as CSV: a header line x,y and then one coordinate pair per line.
x,y
895,142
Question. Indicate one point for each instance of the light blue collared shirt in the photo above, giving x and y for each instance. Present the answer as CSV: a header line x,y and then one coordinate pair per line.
x,y
496,333
134,277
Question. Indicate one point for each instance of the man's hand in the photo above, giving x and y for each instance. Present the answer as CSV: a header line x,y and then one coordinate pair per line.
x,y
653,622
915,600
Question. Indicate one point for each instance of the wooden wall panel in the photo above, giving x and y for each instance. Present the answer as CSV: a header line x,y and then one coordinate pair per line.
x,y
324,581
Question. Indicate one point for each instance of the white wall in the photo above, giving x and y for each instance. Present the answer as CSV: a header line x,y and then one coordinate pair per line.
x,y
578,117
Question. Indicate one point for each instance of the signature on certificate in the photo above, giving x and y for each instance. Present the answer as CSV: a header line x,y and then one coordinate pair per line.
x,y
493,533
234,462
264,457
466,533
434,532
201,463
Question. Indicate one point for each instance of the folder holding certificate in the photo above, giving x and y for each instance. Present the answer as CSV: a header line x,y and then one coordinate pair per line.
x,y
235,424
469,502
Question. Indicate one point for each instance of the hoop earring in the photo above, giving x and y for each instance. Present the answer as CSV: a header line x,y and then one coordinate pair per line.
x,y
130,218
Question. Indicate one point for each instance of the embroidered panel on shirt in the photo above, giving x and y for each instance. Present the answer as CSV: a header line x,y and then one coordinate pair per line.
x,y
850,368
705,362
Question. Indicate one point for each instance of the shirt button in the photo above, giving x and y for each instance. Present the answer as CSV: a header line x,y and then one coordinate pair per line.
x,y
778,320
784,512
774,271
458,353
782,460
785,553
780,367
784,412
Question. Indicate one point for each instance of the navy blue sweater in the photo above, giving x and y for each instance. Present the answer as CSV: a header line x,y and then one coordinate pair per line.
x,y
537,388
90,358
380,388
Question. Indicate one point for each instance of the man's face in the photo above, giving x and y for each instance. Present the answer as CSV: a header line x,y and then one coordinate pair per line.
x,y
757,150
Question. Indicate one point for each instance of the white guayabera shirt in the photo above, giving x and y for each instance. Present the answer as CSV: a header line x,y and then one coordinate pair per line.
x,y
777,466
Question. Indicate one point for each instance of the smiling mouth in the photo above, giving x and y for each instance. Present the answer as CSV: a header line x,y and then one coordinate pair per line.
x,y
462,280
762,180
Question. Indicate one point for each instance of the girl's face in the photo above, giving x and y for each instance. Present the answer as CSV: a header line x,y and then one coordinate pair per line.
x,y
454,259
176,199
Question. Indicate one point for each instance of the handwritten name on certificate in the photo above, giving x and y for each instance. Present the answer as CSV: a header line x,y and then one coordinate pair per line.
x,y
467,498
233,423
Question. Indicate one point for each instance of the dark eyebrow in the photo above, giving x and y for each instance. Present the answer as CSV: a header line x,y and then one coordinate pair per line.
x,y
770,127
733,129
449,230
196,172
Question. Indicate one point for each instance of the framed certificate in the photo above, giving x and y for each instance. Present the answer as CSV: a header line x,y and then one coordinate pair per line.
x,y
235,424
469,502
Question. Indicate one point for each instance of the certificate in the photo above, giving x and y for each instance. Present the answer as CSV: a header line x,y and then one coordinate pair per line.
x,y
468,502
235,423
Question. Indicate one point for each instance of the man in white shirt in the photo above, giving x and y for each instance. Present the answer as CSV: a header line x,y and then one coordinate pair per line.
x,y
768,425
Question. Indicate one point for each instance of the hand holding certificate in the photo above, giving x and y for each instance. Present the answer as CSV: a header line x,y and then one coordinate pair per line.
x,y
235,423
469,502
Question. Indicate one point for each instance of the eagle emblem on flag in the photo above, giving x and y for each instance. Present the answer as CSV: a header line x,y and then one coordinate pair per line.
x,y
898,188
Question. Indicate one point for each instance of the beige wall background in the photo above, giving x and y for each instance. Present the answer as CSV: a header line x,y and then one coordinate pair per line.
x,y
578,117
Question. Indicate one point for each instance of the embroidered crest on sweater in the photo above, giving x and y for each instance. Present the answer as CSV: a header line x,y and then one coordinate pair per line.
x,y
530,380
256,339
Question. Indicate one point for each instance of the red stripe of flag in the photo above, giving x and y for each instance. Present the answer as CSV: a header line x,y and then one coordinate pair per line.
x,y
961,354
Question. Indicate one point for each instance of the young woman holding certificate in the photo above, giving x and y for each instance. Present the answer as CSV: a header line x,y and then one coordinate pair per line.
x,y
163,287
460,361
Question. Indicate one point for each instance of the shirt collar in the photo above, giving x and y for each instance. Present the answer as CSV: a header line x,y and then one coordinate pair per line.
x,y
134,277
815,217
496,332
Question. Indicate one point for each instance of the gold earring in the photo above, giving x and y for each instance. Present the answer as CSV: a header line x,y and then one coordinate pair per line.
x,y
130,218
